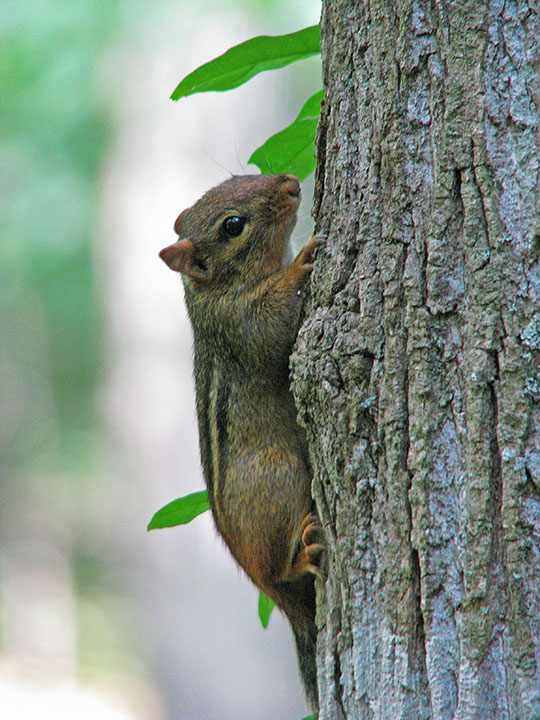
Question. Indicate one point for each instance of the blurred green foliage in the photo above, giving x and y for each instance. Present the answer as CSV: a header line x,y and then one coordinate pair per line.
x,y
55,128
53,134
56,125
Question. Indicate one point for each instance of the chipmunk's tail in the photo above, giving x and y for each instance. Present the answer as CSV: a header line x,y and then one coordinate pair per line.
x,y
306,647
297,600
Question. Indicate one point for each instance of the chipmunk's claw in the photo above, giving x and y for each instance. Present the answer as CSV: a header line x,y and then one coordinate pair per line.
x,y
313,544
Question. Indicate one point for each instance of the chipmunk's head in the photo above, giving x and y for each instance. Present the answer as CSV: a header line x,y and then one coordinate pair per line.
x,y
237,230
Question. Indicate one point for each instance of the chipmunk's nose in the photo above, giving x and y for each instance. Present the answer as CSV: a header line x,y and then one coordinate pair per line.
x,y
291,185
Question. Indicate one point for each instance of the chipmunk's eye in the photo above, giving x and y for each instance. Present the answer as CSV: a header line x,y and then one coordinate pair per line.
x,y
232,227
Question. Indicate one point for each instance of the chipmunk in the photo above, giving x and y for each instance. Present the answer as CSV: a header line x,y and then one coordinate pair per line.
x,y
245,306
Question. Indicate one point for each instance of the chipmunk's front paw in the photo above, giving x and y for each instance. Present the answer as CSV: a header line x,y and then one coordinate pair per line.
x,y
304,259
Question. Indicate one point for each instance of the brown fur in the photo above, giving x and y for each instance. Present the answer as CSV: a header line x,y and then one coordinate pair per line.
x,y
244,307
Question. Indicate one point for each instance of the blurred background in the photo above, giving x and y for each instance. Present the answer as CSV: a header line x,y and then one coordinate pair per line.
x,y
98,617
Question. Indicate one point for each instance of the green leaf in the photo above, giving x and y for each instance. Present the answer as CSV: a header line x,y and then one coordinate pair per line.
x,y
292,150
312,717
180,511
242,62
266,605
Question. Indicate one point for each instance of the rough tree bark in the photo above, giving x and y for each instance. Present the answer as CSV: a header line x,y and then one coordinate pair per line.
x,y
417,370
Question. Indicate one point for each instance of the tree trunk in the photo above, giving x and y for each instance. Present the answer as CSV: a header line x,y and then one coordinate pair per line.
x,y
417,370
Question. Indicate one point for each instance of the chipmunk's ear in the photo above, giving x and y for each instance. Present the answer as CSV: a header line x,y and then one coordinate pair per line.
x,y
181,257
178,221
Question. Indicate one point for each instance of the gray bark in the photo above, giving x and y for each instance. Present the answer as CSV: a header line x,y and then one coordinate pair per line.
x,y
417,369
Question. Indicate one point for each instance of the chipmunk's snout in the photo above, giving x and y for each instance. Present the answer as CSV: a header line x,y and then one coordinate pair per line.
x,y
292,186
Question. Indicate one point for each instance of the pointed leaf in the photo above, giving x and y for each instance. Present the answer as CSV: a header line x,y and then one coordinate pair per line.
x,y
242,62
292,150
266,605
180,511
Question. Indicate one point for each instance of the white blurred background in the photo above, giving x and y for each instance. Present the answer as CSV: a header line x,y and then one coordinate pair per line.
x,y
99,618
